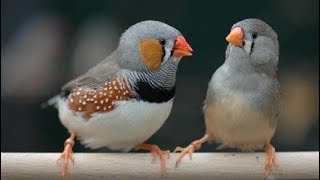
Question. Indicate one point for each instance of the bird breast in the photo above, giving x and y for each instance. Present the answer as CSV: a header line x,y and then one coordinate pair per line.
x,y
130,123
234,123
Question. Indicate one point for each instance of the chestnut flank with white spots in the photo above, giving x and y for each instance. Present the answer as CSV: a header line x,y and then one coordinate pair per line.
x,y
101,99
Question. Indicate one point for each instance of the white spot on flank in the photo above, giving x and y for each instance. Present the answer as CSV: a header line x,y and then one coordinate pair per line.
x,y
101,102
107,100
105,108
109,107
79,108
95,101
105,89
84,103
98,107
78,93
85,96
80,101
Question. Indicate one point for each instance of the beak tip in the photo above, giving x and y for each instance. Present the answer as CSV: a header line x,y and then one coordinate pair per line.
x,y
182,48
227,39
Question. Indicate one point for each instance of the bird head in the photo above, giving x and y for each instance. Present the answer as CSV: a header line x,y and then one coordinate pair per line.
x,y
148,45
257,39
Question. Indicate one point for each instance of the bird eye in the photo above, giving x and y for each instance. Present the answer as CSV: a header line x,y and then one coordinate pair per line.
x,y
254,35
162,41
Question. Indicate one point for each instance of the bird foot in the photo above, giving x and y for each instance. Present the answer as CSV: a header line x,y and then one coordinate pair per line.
x,y
66,156
157,152
195,145
271,161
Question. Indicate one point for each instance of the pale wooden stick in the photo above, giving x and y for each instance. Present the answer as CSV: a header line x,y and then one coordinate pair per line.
x,y
292,165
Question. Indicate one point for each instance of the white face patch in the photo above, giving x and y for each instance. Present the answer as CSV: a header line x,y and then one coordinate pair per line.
x,y
247,46
168,47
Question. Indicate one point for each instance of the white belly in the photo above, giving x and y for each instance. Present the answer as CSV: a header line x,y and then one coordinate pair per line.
x,y
236,125
130,123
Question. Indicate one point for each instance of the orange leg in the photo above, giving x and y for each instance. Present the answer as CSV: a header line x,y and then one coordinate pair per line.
x,y
67,154
195,145
271,161
156,151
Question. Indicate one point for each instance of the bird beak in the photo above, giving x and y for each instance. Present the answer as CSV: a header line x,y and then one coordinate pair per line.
x,y
235,37
181,47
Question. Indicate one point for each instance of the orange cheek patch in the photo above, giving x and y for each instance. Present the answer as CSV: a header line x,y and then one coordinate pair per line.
x,y
100,100
152,53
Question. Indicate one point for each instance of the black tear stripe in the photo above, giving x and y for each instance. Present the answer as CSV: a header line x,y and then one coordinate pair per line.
x,y
163,54
152,94
252,46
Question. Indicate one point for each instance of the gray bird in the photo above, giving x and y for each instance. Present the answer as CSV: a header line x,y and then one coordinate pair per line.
x,y
244,98
126,98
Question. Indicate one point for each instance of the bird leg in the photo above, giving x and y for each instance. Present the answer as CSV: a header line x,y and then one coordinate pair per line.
x,y
271,161
156,151
195,145
67,154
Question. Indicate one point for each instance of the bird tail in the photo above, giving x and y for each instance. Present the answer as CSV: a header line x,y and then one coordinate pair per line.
x,y
51,102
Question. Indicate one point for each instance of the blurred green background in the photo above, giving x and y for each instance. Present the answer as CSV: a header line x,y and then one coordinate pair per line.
x,y
45,43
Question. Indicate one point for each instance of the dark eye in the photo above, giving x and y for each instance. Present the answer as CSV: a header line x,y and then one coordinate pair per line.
x,y
162,41
254,35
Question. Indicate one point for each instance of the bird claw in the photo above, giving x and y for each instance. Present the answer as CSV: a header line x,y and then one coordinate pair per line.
x,y
195,145
163,155
157,152
271,161
65,157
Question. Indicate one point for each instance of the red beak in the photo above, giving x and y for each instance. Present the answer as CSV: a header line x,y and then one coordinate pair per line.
x,y
181,47
235,37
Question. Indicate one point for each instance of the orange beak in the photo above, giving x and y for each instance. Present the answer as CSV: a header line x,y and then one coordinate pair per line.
x,y
235,37
181,47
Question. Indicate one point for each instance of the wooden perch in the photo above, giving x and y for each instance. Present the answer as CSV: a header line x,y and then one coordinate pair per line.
x,y
292,165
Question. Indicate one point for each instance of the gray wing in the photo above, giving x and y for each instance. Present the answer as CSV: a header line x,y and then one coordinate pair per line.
x,y
105,71
209,97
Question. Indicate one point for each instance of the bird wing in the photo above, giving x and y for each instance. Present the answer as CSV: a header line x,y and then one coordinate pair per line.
x,y
209,97
105,71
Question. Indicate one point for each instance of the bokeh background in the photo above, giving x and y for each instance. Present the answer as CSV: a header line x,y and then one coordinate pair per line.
x,y
45,43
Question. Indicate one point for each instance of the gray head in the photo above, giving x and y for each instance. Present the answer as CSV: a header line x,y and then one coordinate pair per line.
x,y
257,40
147,45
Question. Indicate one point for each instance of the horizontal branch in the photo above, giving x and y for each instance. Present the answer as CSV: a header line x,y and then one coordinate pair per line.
x,y
292,165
